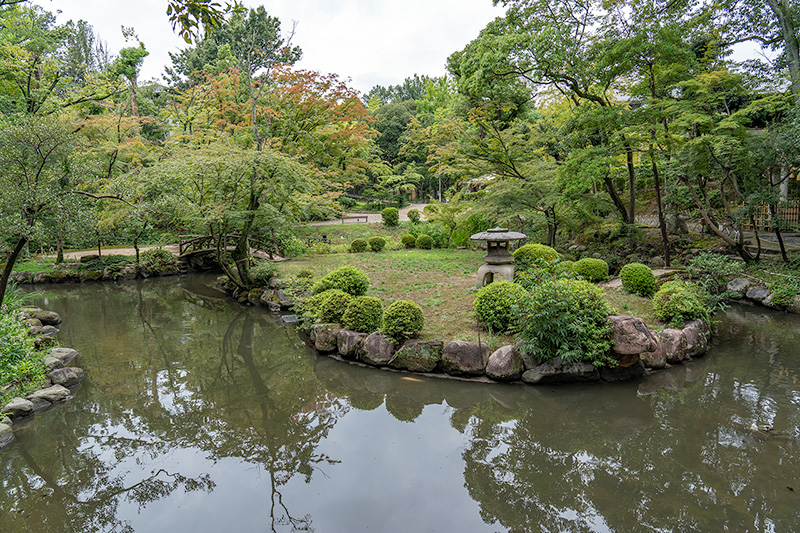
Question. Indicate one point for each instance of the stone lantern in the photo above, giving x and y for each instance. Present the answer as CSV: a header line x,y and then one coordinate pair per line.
x,y
499,261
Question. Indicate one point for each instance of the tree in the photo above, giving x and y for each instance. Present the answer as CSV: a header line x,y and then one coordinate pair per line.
x,y
35,180
128,64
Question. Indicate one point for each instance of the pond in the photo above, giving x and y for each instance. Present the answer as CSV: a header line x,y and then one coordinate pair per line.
x,y
201,415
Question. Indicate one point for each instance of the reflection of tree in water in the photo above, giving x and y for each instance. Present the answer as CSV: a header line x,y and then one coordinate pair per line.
x,y
243,392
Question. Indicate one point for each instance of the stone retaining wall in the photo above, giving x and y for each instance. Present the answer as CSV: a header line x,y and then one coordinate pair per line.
x,y
68,273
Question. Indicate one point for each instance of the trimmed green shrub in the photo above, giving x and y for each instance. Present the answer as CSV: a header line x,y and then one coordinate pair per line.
x,y
424,242
592,269
526,256
347,278
414,215
403,319
638,279
436,231
678,301
331,305
358,245
391,217
364,314
377,243
497,305
566,318
408,240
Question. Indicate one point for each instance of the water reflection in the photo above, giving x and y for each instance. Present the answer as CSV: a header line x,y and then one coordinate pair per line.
x,y
198,413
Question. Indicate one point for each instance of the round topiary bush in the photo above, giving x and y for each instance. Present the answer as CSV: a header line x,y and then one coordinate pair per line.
x,y
348,279
408,240
497,305
330,305
358,245
591,269
403,319
414,215
678,301
364,314
566,318
391,217
526,256
424,242
377,243
638,279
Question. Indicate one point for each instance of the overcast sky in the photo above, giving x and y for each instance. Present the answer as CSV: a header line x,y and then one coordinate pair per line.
x,y
370,41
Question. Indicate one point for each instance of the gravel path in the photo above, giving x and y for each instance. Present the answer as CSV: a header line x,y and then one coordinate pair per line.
x,y
373,218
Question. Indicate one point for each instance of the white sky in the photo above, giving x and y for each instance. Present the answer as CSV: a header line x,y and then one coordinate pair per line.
x,y
369,41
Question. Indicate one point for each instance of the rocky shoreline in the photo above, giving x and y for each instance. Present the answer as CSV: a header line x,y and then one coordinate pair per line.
x,y
61,379
70,273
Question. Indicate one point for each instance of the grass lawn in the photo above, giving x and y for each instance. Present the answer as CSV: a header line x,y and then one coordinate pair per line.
x,y
442,282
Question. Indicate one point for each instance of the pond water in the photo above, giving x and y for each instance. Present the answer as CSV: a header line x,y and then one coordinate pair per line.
x,y
201,415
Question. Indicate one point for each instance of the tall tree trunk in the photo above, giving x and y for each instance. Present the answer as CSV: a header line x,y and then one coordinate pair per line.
x,y
618,203
777,230
661,222
60,247
21,242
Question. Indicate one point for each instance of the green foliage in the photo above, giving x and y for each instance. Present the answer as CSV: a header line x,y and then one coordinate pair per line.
x,y
113,262
346,202
414,215
331,305
713,271
377,243
320,248
408,240
262,272
783,294
526,256
358,245
391,216
591,269
638,279
347,278
158,259
403,319
436,231
424,242
497,305
20,364
567,319
364,314
679,301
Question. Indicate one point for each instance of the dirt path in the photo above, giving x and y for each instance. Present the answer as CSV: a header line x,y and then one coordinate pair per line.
x,y
373,218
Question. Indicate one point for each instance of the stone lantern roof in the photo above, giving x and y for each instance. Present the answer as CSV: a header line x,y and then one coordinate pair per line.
x,y
498,234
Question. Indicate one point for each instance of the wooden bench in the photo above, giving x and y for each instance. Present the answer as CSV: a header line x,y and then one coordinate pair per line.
x,y
356,218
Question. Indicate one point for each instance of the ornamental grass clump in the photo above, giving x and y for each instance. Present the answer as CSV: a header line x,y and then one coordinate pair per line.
x,y
678,301
497,305
528,255
566,318
364,314
330,305
347,278
592,269
638,278
402,320
358,245
408,240
376,244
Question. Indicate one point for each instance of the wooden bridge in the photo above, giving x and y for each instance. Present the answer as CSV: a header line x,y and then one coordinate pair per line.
x,y
194,246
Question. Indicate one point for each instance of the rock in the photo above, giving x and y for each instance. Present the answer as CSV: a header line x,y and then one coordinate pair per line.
x,y
795,307
757,293
465,358
56,393
620,373
283,299
657,261
274,307
597,255
18,408
51,363
254,296
674,344
67,377
556,373
49,331
325,336
90,275
577,248
127,272
6,435
65,355
43,342
696,335
630,335
675,225
505,364
656,358
33,331
417,356
32,322
376,349
738,287
41,277
277,283
347,343
290,319
767,302
47,318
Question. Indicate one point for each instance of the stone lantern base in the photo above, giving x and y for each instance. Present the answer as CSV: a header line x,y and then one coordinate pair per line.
x,y
489,273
